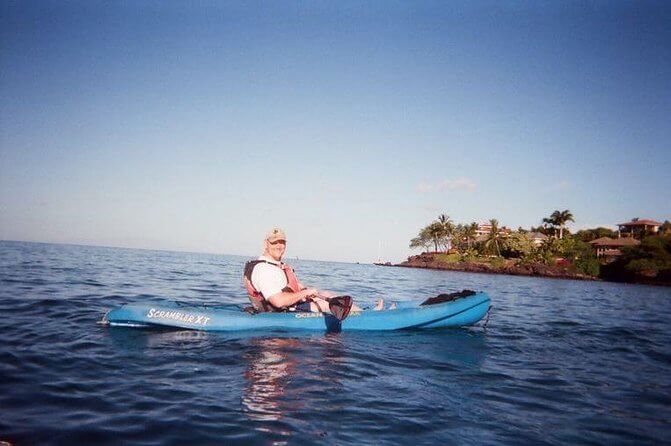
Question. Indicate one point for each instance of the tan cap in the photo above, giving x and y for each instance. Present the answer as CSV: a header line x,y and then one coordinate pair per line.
x,y
276,234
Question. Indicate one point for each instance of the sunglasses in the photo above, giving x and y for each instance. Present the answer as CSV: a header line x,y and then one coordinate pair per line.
x,y
284,242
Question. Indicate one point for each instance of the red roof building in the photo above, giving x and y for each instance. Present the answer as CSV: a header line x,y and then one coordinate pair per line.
x,y
486,228
638,228
608,248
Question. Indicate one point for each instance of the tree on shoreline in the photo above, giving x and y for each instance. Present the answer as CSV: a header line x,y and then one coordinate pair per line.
x,y
494,237
438,233
447,231
649,262
470,233
423,240
587,235
558,219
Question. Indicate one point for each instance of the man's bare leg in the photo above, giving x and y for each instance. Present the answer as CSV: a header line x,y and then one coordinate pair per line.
x,y
326,295
379,305
322,305
318,305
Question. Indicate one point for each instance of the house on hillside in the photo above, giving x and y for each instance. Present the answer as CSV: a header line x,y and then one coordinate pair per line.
x,y
608,249
637,228
485,229
537,238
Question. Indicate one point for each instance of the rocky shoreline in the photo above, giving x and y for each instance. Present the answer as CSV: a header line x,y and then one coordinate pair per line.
x,y
428,261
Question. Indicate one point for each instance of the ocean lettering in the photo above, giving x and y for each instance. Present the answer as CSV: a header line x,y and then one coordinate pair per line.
x,y
307,315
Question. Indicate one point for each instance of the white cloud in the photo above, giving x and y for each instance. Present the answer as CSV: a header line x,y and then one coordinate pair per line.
x,y
562,185
423,187
447,185
334,188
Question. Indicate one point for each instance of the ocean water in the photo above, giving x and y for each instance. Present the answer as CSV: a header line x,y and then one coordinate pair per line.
x,y
560,362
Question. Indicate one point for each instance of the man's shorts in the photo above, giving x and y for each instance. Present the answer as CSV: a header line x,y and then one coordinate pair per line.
x,y
302,307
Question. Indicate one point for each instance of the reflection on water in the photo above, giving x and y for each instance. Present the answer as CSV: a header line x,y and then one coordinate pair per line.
x,y
282,374
270,365
290,387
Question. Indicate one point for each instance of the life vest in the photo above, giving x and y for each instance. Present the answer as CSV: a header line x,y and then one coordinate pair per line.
x,y
259,303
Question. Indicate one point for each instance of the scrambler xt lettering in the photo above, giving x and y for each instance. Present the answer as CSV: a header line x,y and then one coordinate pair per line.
x,y
178,316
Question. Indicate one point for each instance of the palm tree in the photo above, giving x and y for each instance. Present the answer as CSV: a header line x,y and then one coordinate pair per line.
x,y
470,232
436,231
552,221
493,238
559,219
423,239
458,237
564,217
448,230
417,242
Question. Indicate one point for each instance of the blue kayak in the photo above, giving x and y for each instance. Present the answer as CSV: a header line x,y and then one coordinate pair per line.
x,y
456,313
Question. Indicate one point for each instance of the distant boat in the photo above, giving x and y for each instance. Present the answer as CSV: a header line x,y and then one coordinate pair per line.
x,y
379,261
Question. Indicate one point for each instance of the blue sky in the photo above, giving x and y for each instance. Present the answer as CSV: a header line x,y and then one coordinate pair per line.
x,y
199,126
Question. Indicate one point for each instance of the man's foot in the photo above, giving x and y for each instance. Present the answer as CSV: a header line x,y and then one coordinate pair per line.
x,y
379,305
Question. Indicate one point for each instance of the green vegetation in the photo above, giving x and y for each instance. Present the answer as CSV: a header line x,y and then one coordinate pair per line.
x,y
587,235
493,240
558,220
448,258
665,229
437,234
494,244
651,260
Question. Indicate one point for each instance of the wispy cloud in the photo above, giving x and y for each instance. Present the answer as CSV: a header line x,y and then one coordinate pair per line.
x,y
446,185
334,188
562,185
424,187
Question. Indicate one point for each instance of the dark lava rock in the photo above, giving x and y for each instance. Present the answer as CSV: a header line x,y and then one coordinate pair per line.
x,y
536,269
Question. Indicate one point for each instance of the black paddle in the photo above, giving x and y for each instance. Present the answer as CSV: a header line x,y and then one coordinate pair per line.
x,y
340,306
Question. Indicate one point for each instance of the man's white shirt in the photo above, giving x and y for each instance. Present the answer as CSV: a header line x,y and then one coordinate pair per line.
x,y
268,279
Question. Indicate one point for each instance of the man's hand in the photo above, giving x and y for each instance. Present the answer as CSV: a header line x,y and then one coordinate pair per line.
x,y
310,292
285,299
326,295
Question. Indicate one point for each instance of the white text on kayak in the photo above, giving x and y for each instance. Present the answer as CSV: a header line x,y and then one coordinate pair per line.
x,y
178,316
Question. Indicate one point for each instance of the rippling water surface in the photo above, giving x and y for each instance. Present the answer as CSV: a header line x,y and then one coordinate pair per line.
x,y
559,362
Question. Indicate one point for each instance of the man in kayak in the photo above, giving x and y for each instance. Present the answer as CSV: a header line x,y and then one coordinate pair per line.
x,y
273,286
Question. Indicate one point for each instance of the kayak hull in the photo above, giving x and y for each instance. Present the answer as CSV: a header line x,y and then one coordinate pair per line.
x,y
457,313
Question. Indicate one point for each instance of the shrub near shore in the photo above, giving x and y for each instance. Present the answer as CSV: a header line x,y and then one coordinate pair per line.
x,y
649,262
495,265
